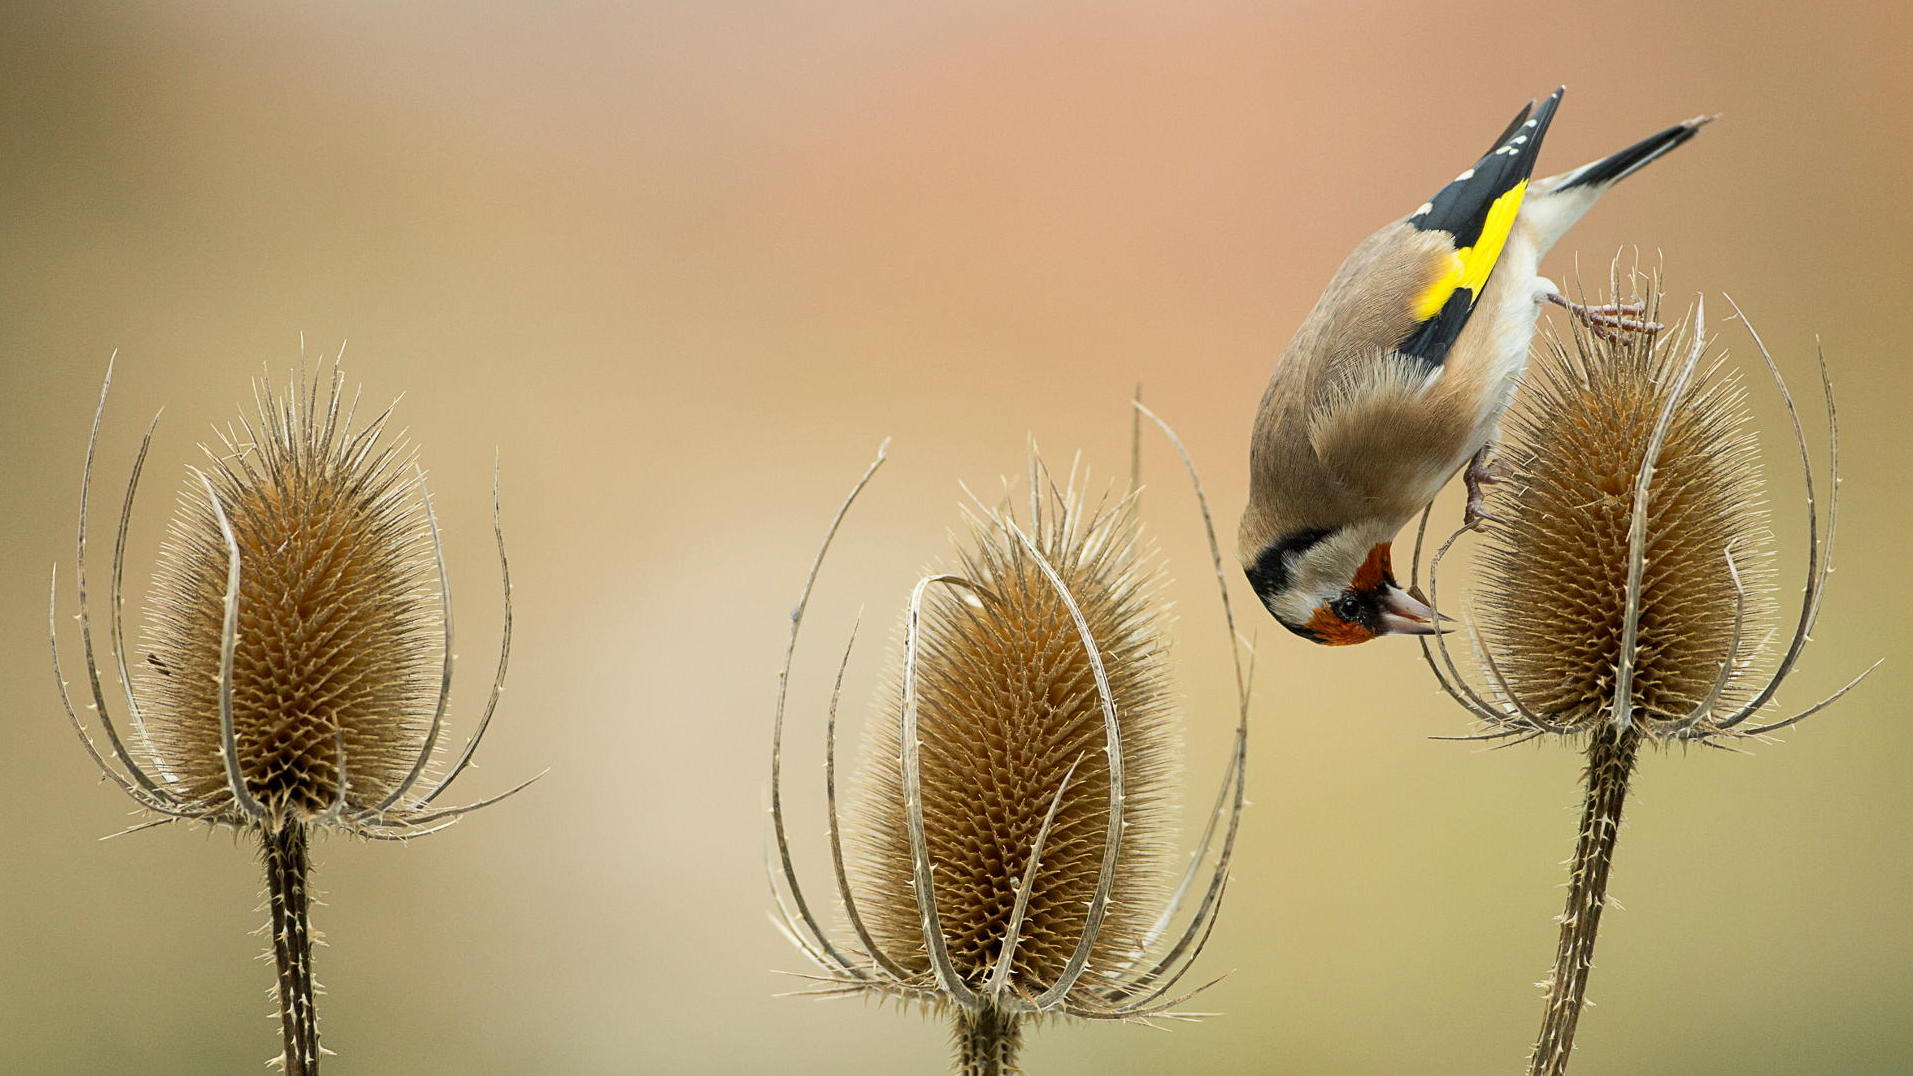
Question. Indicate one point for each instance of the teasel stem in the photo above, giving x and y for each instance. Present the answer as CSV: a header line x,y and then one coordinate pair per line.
x,y
987,1041
1611,753
288,869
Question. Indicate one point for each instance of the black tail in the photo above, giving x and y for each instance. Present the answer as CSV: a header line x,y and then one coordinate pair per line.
x,y
1619,166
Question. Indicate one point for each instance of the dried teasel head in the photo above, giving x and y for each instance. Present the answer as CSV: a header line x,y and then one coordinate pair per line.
x,y
1627,573
1627,594
1013,713
333,665
1012,835
296,652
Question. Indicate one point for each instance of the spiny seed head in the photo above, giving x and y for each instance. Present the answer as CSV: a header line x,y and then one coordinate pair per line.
x,y
337,655
1556,564
1007,703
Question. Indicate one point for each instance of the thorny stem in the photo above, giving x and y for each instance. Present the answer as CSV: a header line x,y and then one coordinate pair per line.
x,y
1611,755
288,867
987,1040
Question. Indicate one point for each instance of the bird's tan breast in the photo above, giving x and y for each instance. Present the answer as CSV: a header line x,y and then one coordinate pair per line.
x,y
1348,428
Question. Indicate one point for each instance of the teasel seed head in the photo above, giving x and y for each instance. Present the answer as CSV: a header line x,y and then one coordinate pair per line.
x,y
1011,732
1627,571
333,665
1013,830
297,654
1554,598
1627,590
295,662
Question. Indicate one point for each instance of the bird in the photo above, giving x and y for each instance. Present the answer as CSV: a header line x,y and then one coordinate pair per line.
x,y
1398,377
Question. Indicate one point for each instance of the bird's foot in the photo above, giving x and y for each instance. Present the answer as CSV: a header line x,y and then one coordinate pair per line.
x,y
1483,470
1609,320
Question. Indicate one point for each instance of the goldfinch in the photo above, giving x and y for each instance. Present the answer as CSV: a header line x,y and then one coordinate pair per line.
x,y
1399,376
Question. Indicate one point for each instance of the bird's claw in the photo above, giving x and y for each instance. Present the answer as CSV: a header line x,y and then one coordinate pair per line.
x,y
1483,470
1609,320
1475,514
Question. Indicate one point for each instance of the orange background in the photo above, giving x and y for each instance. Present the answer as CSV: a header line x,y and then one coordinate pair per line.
x,y
683,266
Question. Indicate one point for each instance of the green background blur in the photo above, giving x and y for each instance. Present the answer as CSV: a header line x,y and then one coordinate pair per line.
x,y
684,265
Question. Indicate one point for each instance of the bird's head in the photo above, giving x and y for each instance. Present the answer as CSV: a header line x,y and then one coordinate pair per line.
x,y
1336,587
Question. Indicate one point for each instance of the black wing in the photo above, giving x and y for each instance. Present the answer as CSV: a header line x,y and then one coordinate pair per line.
x,y
1462,209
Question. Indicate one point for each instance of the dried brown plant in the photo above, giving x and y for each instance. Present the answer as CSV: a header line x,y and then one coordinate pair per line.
x,y
297,653
1012,837
1010,730
1626,594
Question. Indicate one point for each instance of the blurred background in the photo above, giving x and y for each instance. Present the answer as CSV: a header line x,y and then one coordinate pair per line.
x,y
683,266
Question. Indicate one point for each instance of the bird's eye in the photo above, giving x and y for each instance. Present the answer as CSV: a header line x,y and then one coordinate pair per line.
x,y
1351,607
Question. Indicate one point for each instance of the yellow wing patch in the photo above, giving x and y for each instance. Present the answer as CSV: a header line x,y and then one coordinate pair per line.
x,y
1469,267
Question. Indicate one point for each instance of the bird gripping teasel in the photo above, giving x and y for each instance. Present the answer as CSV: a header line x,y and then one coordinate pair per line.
x,y
1398,378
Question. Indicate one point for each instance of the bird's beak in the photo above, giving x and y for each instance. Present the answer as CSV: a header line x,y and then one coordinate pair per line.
x,y
1405,614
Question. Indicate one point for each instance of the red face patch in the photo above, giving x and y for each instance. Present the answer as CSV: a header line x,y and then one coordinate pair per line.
x,y
1374,572
1331,630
